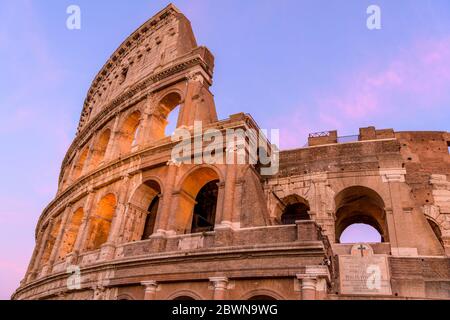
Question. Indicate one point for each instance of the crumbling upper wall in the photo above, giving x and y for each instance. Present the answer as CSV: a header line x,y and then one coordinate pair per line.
x,y
162,39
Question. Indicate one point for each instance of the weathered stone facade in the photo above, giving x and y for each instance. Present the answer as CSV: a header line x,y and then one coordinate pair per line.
x,y
124,213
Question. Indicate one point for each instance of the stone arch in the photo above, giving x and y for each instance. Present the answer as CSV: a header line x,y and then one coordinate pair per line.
x,y
166,104
124,296
185,295
193,185
100,222
50,243
144,205
360,205
77,170
271,294
128,133
99,151
71,233
294,208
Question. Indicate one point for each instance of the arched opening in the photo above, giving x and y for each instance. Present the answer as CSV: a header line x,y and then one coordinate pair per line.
x,y
184,298
172,121
166,119
79,166
150,221
129,133
51,241
436,230
141,220
359,207
71,234
98,154
197,202
262,298
295,209
100,223
360,233
204,216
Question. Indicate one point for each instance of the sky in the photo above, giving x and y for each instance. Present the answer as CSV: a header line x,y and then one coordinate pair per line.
x,y
301,66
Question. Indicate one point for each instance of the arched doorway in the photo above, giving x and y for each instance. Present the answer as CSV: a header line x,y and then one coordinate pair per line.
x,y
143,211
360,212
79,165
129,133
295,208
71,234
166,118
183,298
205,209
98,153
100,223
197,202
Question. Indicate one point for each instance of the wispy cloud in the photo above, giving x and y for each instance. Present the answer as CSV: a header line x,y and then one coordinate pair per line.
x,y
418,77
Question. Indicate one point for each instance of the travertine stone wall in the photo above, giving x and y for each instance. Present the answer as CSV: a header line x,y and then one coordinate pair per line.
x,y
120,162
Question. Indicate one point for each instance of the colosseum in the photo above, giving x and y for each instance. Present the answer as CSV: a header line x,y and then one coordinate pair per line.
x,y
129,223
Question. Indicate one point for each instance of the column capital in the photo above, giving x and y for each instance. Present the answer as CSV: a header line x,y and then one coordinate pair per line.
x,y
315,272
220,286
220,283
149,285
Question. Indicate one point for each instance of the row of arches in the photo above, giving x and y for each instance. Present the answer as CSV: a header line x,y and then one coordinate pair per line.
x,y
115,142
360,214
195,213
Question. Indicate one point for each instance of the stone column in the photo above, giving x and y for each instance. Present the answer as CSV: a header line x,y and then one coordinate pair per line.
x,y
57,245
313,282
308,287
237,205
220,200
394,177
150,289
220,285
167,204
230,184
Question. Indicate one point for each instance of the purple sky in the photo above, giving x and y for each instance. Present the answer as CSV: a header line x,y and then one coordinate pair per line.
x,y
302,66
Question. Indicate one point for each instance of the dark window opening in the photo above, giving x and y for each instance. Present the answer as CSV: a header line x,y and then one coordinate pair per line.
x,y
205,209
184,298
151,219
295,212
123,75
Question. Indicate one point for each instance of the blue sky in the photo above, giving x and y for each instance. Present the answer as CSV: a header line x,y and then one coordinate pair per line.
x,y
300,65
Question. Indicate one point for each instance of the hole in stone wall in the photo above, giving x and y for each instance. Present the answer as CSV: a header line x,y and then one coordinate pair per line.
x,y
172,121
360,233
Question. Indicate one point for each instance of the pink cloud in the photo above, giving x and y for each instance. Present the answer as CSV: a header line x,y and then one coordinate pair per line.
x,y
418,77
421,72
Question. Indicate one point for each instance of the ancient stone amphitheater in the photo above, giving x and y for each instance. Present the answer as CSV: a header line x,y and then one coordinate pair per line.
x,y
130,223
